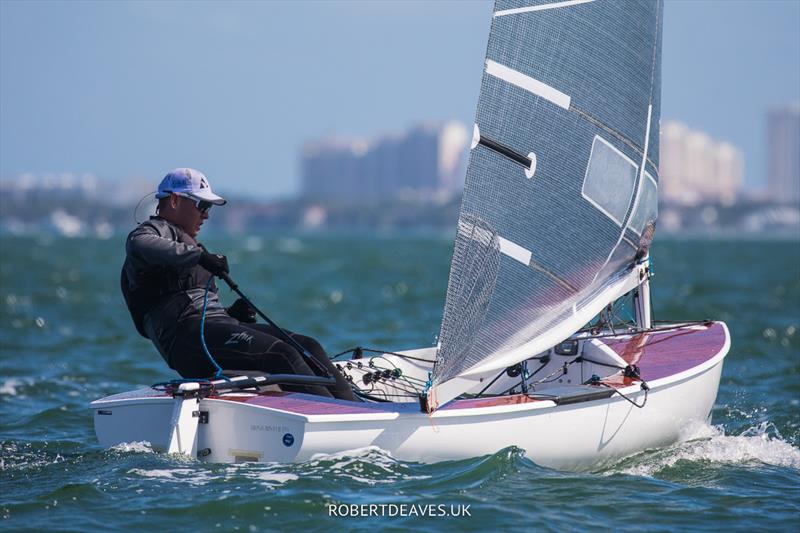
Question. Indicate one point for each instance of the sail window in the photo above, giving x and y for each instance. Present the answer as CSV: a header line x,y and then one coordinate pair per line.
x,y
647,207
609,181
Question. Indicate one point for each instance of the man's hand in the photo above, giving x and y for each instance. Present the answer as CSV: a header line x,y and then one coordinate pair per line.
x,y
217,264
242,312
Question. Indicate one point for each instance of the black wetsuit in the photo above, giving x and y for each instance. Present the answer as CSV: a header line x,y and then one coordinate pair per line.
x,y
164,288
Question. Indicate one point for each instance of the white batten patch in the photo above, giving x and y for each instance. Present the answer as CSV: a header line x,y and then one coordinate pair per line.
x,y
529,172
515,251
541,7
526,82
646,142
476,137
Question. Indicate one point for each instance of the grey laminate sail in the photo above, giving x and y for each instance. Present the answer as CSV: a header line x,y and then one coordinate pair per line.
x,y
561,189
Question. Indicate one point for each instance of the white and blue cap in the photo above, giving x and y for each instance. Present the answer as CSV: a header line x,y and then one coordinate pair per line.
x,y
188,182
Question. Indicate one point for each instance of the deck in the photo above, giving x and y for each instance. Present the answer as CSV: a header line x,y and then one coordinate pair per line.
x,y
657,354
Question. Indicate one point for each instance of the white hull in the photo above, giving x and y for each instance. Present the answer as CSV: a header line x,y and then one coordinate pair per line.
x,y
575,436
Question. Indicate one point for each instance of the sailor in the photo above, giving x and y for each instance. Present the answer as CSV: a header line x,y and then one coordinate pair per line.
x,y
164,282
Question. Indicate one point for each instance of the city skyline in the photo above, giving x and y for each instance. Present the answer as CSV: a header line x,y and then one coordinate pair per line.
x,y
352,183
427,159
118,90
430,159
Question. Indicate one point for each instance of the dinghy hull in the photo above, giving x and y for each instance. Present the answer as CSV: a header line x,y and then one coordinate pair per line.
x,y
575,427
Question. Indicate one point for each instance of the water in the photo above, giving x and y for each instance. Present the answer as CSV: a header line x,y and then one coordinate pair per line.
x,y
66,339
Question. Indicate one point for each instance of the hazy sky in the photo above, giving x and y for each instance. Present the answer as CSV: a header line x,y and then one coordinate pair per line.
x,y
132,89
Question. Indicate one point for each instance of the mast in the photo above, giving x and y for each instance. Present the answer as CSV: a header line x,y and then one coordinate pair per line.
x,y
641,298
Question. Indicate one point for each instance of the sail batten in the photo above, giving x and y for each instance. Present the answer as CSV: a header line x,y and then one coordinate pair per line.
x,y
514,251
529,9
532,85
575,85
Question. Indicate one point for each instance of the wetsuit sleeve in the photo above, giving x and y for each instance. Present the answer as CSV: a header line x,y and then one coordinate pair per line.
x,y
145,244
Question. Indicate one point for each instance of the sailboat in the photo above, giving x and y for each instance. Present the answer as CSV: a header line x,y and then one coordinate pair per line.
x,y
551,247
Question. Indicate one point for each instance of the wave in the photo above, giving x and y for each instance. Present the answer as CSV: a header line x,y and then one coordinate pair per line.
x,y
756,446
370,465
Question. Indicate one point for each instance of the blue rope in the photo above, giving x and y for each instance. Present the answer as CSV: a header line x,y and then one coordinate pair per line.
x,y
218,375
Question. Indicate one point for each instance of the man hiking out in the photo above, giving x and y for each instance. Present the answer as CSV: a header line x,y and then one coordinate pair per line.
x,y
166,277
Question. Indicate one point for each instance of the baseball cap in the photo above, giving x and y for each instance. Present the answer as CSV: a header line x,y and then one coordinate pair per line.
x,y
188,182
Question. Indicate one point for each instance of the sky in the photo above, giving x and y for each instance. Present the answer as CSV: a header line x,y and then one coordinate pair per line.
x,y
128,90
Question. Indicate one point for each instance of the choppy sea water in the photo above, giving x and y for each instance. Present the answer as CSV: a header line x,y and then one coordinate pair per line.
x,y
66,339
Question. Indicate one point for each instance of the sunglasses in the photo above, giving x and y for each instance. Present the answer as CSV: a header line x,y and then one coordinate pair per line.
x,y
204,206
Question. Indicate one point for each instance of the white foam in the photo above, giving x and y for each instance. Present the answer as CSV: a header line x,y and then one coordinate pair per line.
x,y
162,474
134,447
19,456
189,476
353,454
270,474
9,386
275,477
754,446
354,465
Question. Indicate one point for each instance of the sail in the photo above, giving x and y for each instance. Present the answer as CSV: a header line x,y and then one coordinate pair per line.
x,y
561,192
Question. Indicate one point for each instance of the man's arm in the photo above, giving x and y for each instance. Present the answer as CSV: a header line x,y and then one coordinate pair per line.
x,y
146,245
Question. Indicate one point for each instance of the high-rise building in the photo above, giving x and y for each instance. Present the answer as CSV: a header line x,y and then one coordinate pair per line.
x,y
783,148
698,172
728,170
694,168
672,161
424,160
